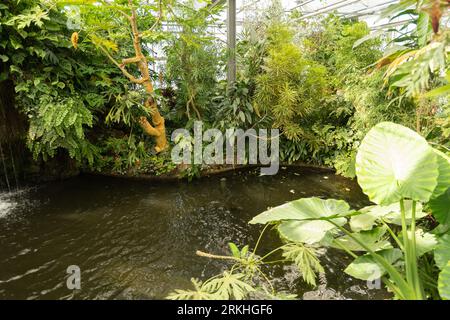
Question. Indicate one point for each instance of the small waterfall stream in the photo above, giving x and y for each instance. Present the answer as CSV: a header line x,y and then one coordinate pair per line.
x,y
6,205
5,169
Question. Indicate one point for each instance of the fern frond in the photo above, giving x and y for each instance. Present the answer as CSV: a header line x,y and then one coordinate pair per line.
x,y
200,292
229,286
305,258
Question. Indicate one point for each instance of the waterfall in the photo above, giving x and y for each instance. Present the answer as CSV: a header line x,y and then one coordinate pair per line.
x,y
5,170
5,205
11,132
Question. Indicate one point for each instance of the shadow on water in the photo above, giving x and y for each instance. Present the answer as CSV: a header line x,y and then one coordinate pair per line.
x,y
137,240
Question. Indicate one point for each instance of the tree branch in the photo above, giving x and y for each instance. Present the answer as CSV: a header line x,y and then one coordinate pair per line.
x,y
122,67
148,128
131,60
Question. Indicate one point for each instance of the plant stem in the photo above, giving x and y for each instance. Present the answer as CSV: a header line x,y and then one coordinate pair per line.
x,y
274,250
345,249
406,244
403,286
417,284
267,279
393,288
259,239
391,232
213,256
412,274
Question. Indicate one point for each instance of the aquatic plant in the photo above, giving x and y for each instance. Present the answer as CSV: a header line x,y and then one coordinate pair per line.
x,y
402,174
246,276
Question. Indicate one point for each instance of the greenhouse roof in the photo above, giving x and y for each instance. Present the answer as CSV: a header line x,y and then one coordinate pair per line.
x,y
367,10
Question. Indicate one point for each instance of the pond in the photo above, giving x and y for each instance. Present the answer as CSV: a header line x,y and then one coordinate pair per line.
x,y
137,239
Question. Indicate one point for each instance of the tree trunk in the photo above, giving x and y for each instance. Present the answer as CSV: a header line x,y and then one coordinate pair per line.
x,y
156,128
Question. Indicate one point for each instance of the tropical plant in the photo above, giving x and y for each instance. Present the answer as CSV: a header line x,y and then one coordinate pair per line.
x,y
233,105
193,59
103,25
60,91
358,100
416,58
246,277
291,87
400,186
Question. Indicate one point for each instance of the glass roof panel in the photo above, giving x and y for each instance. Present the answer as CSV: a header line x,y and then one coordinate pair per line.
x,y
367,10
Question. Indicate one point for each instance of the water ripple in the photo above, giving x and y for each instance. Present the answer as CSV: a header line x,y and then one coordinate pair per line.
x,y
136,240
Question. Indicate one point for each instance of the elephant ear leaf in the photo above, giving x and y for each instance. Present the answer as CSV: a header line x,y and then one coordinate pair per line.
x,y
308,232
306,220
367,268
394,162
365,220
304,209
440,207
369,216
440,199
442,251
443,182
444,282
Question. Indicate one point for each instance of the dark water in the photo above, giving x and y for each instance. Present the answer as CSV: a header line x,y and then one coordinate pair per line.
x,y
137,240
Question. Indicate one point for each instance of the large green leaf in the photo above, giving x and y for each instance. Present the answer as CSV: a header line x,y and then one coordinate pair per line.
x,y
391,214
365,220
444,282
425,242
374,239
367,268
444,173
440,199
440,207
394,162
304,209
441,91
442,251
395,216
309,232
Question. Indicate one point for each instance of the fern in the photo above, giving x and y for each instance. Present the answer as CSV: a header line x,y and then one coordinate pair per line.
x,y
199,292
60,123
229,286
305,258
35,15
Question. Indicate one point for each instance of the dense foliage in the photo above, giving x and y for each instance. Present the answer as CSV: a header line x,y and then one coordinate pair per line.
x,y
324,83
62,91
105,81
403,237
